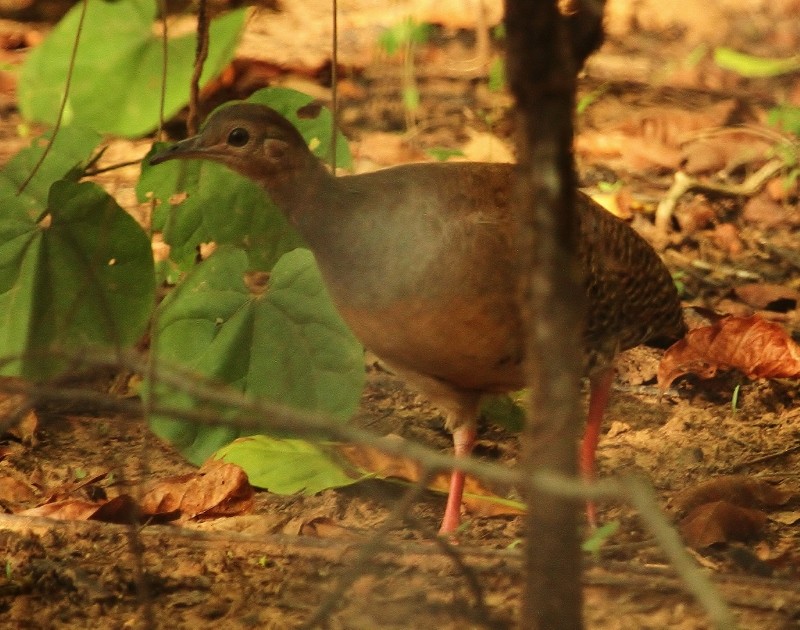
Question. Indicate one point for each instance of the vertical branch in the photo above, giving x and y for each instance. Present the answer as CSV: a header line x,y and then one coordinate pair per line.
x,y
63,105
193,122
162,95
334,81
542,68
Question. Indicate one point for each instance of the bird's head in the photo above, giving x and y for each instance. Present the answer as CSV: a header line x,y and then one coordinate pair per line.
x,y
253,140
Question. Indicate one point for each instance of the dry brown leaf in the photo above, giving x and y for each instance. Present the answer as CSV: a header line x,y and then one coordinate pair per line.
x,y
217,489
720,522
14,490
763,295
121,509
726,236
724,151
371,460
740,490
782,189
767,213
786,518
671,126
752,345
634,153
386,149
380,464
697,214
68,509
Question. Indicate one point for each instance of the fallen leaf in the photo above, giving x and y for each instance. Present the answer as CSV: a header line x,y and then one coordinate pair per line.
x,y
786,518
68,509
697,214
767,213
724,151
13,490
375,462
752,345
386,149
739,490
720,522
782,188
634,153
120,509
217,489
477,500
726,236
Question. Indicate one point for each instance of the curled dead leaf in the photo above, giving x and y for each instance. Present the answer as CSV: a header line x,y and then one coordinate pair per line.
x,y
752,345
217,489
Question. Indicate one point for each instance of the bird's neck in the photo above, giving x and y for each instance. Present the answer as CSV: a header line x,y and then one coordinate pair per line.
x,y
308,197
294,189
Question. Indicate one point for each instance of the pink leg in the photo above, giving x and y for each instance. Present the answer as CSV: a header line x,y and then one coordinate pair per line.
x,y
599,393
463,441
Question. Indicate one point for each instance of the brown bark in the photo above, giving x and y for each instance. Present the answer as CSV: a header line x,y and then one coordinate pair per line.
x,y
545,51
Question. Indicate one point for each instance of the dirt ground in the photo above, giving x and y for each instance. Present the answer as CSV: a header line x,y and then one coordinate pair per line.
x,y
276,566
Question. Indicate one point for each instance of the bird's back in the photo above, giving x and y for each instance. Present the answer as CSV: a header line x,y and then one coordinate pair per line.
x,y
422,262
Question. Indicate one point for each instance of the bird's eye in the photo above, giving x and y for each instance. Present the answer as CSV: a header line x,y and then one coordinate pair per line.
x,y
238,137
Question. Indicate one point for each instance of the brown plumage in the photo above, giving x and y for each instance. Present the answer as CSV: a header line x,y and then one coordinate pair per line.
x,y
420,260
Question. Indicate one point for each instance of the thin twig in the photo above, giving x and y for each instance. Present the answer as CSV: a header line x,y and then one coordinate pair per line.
x,y
765,458
193,122
334,83
63,105
683,184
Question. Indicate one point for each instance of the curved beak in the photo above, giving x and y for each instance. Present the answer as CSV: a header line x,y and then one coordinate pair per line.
x,y
188,148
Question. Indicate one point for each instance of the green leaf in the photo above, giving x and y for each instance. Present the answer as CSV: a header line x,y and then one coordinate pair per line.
x,y
388,40
497,75
72,147
599,537
287,344
81,277
408,31
411,98
287,466
221,206
442,154
786,117
316,130
116,81
751,66
505,410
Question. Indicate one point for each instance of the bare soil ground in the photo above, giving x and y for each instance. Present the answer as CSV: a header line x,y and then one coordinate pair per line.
x,y
274,567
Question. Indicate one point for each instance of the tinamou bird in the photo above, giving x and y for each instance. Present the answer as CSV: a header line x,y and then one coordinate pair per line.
x,y
420,262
